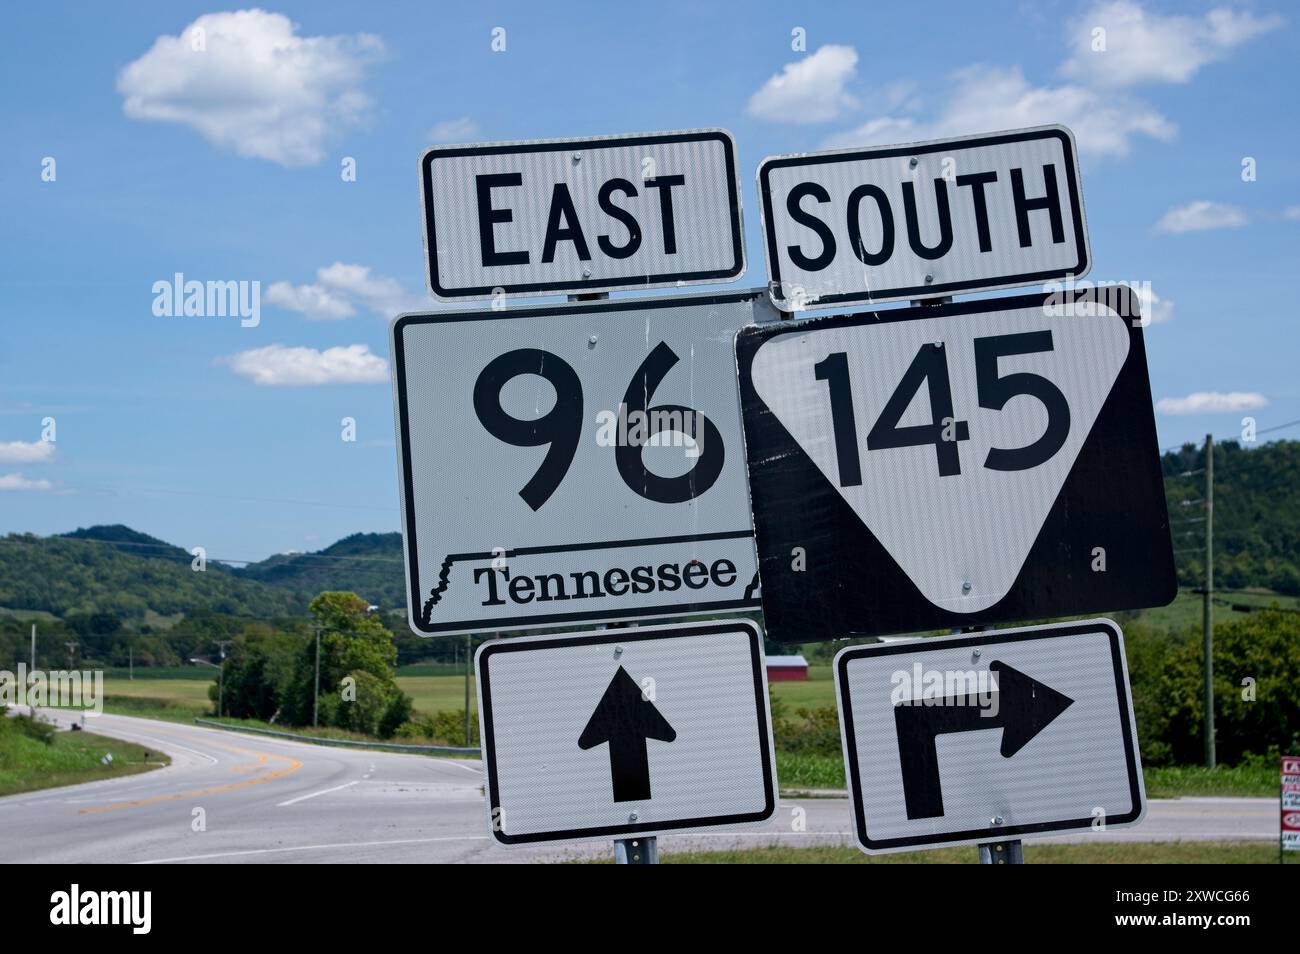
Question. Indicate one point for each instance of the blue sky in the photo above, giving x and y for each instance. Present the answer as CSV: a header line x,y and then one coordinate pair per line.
x,y
226,166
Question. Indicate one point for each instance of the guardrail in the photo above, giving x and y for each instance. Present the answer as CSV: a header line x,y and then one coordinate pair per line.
x,y
393,746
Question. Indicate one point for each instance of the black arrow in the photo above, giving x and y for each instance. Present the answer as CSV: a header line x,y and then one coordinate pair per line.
x,y
1024,708
625,719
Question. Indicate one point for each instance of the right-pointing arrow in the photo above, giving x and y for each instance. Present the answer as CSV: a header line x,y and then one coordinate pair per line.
x,y
1022,707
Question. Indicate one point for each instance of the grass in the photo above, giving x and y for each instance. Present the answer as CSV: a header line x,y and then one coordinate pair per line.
x,y
1113,853
1184,613
1184,781
329,732
28,764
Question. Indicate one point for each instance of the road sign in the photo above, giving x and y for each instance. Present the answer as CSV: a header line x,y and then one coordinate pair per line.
x,y
989,737
946,466
626,732
1291,803
553,216
573,462
971,213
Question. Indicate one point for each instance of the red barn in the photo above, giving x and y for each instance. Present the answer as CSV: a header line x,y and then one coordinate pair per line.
x,y
786,668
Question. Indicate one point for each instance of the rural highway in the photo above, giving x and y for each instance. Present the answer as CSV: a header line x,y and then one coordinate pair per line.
x,y
270,800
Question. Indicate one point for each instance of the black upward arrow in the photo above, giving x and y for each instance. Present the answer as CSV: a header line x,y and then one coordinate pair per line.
x,y
1025,708
625,719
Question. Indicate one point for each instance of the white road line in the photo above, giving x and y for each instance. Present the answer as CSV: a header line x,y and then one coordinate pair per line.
x,y
460,765
303,798
271,851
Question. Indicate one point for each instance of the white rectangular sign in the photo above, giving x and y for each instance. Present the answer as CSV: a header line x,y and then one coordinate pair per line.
x,y
971,213
557,216
626,732
576,462
990,736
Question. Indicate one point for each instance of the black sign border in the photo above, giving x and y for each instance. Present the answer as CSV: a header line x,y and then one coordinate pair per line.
x,y
945,288
483,674
413,598
635,281
844,699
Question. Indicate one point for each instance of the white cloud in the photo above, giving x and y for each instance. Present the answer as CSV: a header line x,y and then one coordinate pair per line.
x,y
255,86
1212,402
810,90
1156,309
1144,47
19,482
454,130
314,301
986,98
1292,213
1200,216
24,452
280,366
339,288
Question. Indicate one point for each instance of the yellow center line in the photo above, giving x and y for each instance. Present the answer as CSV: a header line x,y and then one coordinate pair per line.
x,y
292,765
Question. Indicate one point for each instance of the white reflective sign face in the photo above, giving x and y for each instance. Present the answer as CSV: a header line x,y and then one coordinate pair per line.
x,y
580,215
577,462
625,732
1033,727
933,218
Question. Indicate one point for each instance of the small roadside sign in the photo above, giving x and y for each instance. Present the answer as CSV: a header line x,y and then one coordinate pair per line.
x,y
626,732
558,216
576,462
1291,803
970,213
946,466
989,737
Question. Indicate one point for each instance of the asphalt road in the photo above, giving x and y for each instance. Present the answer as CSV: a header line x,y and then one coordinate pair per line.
x,y
263,799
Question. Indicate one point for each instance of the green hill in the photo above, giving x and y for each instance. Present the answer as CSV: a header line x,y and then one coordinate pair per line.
x,y
1256,515
369,564
120,571
67,575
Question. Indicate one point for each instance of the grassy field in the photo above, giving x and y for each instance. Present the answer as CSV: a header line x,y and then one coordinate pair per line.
x,y
1170,853
1184,613
28,764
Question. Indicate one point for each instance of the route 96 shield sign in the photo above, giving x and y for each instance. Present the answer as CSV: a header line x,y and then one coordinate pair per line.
x,y
947,466
573,462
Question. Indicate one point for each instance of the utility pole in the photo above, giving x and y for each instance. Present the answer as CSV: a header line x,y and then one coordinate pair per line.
x,y
1207,622
467,639
315,704
33,667
72,647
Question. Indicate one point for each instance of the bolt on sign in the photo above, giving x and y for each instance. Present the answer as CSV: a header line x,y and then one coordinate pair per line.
x,y
954,465
971,213
557,216
576,462
989,737
626,732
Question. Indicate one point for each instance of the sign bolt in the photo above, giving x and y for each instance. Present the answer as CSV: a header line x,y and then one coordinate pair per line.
x,y
975,654
592,341
965,587
929,279
911,163
996,820
618,651
633,817
577,157
586,272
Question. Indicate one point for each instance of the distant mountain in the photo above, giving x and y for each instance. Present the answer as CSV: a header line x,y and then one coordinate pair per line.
x,y
369,564
75,574
1256,515
118,570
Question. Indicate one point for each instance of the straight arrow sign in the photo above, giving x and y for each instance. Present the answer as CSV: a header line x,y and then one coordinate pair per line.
x,y
1021,707
625,719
